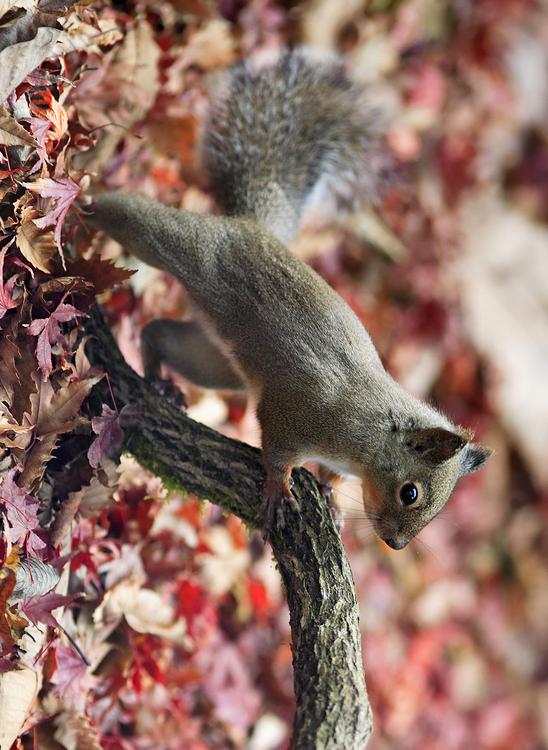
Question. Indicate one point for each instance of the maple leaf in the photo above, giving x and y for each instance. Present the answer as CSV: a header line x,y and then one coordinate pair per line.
x,y
109,435
7,300
101,272
64,192
39,128
40,608
49,332
21,511
72,679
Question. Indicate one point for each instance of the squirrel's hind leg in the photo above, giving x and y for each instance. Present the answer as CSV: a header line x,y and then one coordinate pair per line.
x,y
280,455
186,348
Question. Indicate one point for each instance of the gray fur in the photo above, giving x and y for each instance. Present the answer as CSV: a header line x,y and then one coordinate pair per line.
x,y
322,391
279,132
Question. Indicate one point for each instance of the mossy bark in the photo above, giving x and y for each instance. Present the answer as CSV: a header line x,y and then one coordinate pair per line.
x,y
332,708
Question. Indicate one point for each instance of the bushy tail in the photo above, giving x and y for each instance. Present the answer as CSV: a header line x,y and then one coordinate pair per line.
x,y
280,133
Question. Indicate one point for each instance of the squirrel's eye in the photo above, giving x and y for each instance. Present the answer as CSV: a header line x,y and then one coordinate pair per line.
x,y
410,493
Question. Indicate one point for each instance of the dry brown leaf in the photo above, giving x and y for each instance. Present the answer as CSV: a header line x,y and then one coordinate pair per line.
x,y
134,75
9,351
323,20
55,410
18,60
98,495
52,414
75,731
144,610
25,365
211,46
7,582
37,245
102,273
9,426
6,5
11,133
80,35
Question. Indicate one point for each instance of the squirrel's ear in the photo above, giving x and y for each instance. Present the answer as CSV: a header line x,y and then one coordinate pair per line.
x,y
473,456
435,444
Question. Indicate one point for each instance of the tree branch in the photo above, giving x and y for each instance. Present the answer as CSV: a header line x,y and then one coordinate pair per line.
x,y
332,706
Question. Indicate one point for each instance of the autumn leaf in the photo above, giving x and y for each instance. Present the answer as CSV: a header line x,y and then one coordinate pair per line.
x,y
72,679
102,273
34,577
49,333
11,133
37,246
52,414
109,435
57,116
39,127
63,191
18,60
9,351
75,731
40,608
7,582
7,299
21,512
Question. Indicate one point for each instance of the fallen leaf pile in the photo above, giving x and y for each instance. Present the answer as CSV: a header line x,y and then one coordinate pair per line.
x,y
134,618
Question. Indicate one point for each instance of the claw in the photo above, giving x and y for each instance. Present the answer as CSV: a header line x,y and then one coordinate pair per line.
x,y
277,498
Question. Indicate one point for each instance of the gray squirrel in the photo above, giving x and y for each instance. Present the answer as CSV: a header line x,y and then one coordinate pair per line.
x,y
266,322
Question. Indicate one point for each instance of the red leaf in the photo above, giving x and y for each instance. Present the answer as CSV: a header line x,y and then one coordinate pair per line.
x,y
192,599
259,598
39,608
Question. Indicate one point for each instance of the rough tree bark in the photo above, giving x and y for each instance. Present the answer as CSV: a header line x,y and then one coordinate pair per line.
x,y
333,711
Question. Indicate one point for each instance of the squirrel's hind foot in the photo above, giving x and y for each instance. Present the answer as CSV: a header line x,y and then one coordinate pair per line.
x,y
168,390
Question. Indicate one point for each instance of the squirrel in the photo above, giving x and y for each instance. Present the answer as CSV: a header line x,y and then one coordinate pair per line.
x,y
267,322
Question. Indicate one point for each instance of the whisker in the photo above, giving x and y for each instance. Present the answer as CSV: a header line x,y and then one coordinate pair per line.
x,y
428,548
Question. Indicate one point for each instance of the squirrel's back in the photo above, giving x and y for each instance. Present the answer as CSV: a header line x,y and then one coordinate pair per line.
x,y
283,131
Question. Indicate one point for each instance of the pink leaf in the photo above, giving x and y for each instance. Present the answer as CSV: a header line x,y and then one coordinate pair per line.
x,y
40,608
64,192
21,512
71,678
49,332
109,435
39,127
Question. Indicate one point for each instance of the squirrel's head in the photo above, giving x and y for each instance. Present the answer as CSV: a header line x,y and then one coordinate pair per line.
x,y
413,476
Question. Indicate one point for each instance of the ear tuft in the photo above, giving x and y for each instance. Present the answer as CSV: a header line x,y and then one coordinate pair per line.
x,y
435,444
473,457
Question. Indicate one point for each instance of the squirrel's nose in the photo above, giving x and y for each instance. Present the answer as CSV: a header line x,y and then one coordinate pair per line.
x,y
396,543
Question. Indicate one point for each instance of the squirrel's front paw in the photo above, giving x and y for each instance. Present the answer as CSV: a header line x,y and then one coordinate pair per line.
x,y
167,388
278,497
